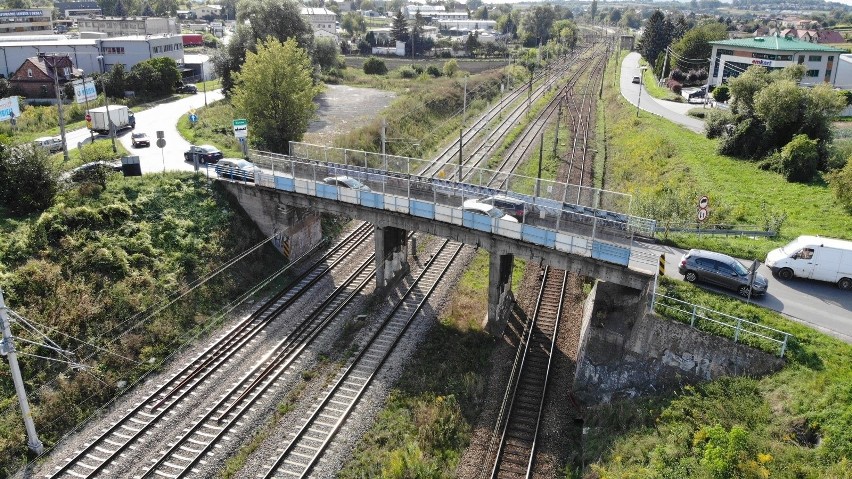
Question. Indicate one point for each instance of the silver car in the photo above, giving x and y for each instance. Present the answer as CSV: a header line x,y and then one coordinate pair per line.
x,y
721,270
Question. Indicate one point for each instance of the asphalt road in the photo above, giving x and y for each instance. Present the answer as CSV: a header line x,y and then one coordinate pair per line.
x,y
163,118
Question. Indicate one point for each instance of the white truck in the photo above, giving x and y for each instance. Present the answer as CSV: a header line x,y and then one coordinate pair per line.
x,y
814,257
120,115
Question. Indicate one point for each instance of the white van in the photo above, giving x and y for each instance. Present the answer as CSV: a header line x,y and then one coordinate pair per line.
x,y
814,257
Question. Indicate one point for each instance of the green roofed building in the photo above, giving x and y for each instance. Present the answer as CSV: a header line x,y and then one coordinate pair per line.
x,y
732,57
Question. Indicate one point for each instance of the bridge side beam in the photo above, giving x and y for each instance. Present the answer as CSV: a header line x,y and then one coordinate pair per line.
x,y
500,298
391,255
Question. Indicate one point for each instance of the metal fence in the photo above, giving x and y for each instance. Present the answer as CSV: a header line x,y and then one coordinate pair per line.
x,y
716,322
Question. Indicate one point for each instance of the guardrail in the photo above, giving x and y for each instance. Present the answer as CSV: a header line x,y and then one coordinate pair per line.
x,y
716,322
717,229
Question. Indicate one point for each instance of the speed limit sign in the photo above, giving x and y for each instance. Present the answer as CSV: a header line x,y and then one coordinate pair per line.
x,y
702,214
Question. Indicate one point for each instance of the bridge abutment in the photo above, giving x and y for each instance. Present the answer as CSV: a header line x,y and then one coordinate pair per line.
x,y
391,255
500,298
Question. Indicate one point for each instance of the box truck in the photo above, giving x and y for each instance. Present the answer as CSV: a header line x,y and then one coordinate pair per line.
x,y
814,257
120,115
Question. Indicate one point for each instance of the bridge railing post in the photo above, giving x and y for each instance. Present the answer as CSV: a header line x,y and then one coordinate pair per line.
x,y
737,332
692,320
784,345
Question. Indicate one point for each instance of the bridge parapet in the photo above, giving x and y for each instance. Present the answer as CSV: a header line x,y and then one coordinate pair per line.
x,y
575,229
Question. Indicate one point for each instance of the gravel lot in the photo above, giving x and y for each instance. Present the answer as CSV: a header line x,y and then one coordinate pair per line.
x,y
344,108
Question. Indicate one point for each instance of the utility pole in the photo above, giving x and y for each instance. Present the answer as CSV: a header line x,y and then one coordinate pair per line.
x,y
384,139
106,100
464,103
7,348
59,108
665,63
556,139
529,92
540,160
461,135
204,83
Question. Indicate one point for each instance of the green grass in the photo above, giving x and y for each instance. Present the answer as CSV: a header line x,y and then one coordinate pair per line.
x,y
214,127
662,164
655,90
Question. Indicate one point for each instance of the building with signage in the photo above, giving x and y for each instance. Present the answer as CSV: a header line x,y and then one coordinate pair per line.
x,y
26,21
729,58
77,9
119,27
84,53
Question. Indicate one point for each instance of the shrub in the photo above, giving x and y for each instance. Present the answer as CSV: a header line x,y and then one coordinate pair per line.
x,y
29,181
407,72
800,159
433,71
697,113
722,93
674,86
840,182
677,76
374,66
418,69
451,67
716,123
97,151
848,95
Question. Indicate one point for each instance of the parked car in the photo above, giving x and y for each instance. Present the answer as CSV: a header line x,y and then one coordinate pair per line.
x,y
721,270
512,206
189,88
139,139
49,143
487,210
636,79
346,182
206,154
700,93
236,169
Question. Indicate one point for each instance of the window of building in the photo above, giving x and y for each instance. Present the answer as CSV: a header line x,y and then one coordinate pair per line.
x,y
29,72
812,73
801,59
815,58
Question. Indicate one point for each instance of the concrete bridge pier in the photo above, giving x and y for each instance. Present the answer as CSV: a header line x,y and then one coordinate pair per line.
x,y
391,255
500,298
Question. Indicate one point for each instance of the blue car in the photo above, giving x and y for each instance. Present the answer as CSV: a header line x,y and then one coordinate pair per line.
x,y
236,169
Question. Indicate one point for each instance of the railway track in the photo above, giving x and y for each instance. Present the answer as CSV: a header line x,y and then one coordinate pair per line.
x,y
523,405
305,447
173,395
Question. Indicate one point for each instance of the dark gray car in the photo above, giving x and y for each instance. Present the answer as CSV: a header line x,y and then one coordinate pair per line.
x,y
721,270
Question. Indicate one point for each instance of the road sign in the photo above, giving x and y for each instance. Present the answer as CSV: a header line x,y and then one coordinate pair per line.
x,y
161,142
241,128
160,134
193,117
704,202
702,214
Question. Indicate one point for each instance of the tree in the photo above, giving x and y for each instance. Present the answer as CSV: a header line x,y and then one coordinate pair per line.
x,y
147,11
451,67
745,87
537,23
353,22
5,88
116,81
472,44
120,9
399,28
593,12
155,77
275,92
694,49
614,16
722,93
28,179
228,61
800,159
279,19
655,38
325,53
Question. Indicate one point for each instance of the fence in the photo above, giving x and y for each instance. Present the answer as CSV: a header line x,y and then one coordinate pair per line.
x,y
705,319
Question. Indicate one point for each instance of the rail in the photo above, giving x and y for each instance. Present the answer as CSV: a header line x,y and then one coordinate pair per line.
x,y
716,322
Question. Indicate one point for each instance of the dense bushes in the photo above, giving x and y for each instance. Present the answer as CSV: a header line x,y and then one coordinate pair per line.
x,y
27,179
94,268
722,93
375,66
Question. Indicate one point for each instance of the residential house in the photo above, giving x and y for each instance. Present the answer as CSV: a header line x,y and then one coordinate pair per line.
x,y
202,11
38,75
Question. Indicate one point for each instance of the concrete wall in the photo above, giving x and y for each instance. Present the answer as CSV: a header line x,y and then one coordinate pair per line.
x,y
301,226
625,352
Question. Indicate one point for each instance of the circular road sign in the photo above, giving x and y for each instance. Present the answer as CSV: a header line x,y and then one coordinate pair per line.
x,y
703,202
88,117
702,214
161,142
